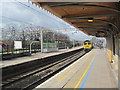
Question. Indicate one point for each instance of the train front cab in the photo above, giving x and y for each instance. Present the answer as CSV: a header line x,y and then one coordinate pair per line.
x,y
87,46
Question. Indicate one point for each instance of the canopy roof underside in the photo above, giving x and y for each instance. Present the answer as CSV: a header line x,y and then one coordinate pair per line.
x,y
105,16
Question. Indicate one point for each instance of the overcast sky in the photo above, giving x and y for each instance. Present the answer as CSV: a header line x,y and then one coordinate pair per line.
x,y
19,13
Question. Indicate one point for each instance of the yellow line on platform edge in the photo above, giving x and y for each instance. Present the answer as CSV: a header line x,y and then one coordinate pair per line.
x,y
65,75
84,72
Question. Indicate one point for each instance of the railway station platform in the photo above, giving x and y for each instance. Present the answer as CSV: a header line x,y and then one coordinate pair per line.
x,y
93,70
34,56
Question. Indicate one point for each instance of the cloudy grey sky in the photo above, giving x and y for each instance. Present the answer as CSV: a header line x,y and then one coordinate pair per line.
x,y
19,13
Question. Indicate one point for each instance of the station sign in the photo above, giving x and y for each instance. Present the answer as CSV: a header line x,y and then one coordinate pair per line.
x,y
17,44
100,34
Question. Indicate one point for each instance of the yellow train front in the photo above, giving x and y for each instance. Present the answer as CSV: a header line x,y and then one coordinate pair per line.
x,y
87,45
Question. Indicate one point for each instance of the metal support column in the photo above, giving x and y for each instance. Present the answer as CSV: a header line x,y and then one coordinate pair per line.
x,y
119,64
116,56
109,47
41,41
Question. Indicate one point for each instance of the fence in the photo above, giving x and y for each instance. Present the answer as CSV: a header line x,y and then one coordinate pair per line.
x,y
10,52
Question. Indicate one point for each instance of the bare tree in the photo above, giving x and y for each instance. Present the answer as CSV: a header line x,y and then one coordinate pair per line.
x,y
32,33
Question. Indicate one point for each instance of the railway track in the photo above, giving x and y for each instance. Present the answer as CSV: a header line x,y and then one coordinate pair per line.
x,y
29,80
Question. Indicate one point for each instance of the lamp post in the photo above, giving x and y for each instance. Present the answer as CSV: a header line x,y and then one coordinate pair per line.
x,y
90,20
65,45
73,43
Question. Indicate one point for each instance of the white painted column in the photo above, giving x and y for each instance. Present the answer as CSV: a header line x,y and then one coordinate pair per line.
x,y
41,41
109,47
116,57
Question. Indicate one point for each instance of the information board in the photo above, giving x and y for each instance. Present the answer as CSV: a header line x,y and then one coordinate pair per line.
x,y
17,44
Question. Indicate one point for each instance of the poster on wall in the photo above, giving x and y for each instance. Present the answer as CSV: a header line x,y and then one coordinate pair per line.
x,y
17,44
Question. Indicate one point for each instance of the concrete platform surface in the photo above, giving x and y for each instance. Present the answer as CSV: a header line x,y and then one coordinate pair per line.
x,y
93,70
34,56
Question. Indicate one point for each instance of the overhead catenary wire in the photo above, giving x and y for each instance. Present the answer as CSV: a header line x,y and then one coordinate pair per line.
x,y
15,19
39,12
20,21
30,23
60,29
24,21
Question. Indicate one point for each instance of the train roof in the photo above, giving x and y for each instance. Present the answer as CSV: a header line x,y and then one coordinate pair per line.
x,y
87,41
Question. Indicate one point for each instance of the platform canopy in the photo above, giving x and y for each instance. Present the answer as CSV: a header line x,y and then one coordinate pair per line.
x,y
93,18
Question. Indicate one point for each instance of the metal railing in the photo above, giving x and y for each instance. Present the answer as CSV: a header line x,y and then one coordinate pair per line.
x,y
10,52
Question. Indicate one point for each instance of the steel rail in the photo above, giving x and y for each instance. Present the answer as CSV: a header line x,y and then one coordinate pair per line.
x,y
30,73
42,69
61,66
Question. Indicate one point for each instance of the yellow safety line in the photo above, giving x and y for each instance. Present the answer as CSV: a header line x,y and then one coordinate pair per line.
x,y
61,78
65,75
84,72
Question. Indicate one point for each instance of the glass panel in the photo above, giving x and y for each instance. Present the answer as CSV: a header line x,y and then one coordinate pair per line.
x,y
85,43
89,43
